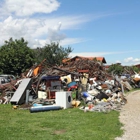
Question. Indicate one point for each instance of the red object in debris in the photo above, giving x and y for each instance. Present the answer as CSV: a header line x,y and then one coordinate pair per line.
x,y
52,95
72,87
90,106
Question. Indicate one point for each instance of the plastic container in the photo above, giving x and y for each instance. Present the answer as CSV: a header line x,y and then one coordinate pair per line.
x,y
34,105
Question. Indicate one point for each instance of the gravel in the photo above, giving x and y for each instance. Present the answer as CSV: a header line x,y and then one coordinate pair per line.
x,y
130,117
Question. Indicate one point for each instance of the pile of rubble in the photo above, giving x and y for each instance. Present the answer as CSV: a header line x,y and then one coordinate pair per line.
x,y
82,82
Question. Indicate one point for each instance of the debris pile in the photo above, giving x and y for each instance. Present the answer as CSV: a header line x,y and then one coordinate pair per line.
x,y
93,68
75,83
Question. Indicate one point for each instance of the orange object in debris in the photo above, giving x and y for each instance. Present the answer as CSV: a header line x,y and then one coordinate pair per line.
x,y
36,71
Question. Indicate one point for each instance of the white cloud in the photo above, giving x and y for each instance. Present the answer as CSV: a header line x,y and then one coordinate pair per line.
x,y
90,54
70,41
118,61
16,22
28,7
137,60
54,33
37,29
18,19
129,59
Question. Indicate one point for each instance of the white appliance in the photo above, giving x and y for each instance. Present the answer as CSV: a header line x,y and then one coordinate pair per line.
x,y
63,99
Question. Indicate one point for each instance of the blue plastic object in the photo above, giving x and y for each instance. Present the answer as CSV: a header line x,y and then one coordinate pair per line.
x,y
37,105
72,84
44,108
85,94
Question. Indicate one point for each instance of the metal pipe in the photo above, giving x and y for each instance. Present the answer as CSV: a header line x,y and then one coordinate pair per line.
x,y
27,96
44,108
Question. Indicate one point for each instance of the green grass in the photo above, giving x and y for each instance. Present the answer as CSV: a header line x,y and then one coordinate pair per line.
x,y
132,90
69,124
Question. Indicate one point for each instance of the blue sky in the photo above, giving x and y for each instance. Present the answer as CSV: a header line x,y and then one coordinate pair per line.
x,y
108,28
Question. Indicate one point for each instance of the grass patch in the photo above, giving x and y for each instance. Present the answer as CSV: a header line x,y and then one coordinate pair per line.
x,y
69,124
132,90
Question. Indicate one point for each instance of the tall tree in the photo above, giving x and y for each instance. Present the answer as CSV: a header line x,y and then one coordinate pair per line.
x,y
53,53
15,57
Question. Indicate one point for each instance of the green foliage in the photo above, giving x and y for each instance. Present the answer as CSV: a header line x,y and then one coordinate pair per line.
x,y
53,53
68,124
95,59
116,69
15,57
136,69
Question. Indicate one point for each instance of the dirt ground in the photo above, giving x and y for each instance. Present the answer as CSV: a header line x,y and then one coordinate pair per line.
x,y
130,117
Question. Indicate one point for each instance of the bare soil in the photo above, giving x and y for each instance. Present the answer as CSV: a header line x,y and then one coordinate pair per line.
x,y
130,117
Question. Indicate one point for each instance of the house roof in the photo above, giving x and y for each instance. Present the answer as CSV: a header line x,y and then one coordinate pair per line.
x,y
65,60
137,65
102,59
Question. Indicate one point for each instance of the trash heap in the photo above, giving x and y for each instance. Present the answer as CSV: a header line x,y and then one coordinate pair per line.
x,y
93,68
82,83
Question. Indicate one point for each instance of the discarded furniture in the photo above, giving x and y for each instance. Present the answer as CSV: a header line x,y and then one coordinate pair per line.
x,y
52,85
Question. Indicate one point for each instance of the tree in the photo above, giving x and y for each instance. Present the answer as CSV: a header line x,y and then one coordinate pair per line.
x,y
116,69
53,53
136,69
131,69
15,57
